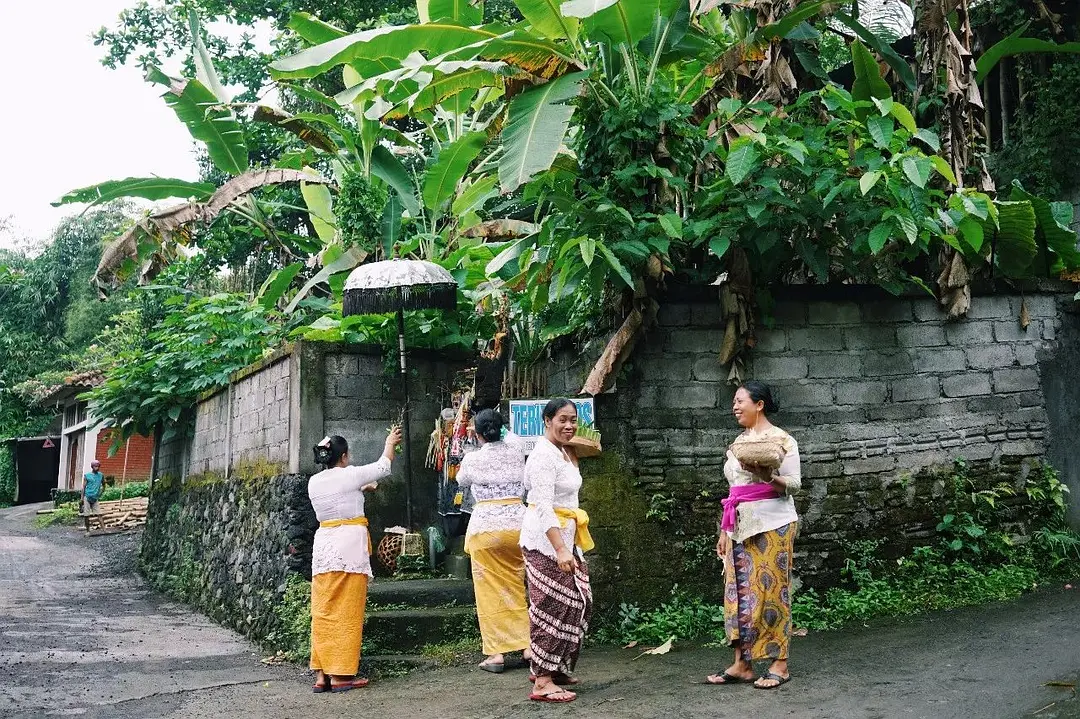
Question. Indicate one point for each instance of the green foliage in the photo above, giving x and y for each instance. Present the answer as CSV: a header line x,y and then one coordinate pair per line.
x,y
359,209
65,514
683,617
129,490
7,476
293,633
195,349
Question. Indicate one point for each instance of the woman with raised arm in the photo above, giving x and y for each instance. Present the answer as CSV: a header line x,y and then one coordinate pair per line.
x,y
554,534
757,535
341,560
496,473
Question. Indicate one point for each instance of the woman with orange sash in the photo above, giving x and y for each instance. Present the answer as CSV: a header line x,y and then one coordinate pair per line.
x,y
341,560
495,472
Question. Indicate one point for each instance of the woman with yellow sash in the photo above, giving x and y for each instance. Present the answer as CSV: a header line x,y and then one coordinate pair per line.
x,y
341,560
496,474
554,534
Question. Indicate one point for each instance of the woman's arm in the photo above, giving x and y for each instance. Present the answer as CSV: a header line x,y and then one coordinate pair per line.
x,y
465,471
363,476
788,478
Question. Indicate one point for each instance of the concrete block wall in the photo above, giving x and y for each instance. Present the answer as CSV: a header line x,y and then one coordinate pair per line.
x,y
260,415
881,393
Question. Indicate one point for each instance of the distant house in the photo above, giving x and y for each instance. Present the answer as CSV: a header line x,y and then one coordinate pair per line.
x,y
81,442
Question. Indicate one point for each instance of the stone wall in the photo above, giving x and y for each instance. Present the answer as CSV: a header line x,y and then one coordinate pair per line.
x,y
227,547
881,393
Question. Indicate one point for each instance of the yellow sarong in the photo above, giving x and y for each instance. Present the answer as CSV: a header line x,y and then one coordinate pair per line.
x,y
582,537
498,571
361,521
338,600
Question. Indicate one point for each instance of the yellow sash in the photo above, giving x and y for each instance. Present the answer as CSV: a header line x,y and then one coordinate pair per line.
x,y
582,538
362,521
507,501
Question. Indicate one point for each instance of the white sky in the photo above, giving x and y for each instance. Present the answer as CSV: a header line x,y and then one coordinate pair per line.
x,y
68,121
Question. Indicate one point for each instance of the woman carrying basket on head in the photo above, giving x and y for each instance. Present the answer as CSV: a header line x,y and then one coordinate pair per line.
x,y
554,534
496,473
757,534
341,560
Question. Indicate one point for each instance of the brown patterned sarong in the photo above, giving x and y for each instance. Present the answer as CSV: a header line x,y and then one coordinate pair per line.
x,y
757,595
560,605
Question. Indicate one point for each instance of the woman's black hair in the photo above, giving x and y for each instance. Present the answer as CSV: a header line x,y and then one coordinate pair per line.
x,y
552,408
489,424
761,392
330,451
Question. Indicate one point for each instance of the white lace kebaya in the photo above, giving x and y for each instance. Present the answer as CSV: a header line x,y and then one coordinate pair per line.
x,y
552,480
337,493
496,471
766,514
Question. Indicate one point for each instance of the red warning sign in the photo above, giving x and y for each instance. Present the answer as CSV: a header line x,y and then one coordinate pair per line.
x,y
48,443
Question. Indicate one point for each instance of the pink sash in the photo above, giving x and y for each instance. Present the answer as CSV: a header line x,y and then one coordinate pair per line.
x,y
744,493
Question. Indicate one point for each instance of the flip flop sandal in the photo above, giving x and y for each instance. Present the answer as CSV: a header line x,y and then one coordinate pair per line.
x,y
320,688
493,668
550,697
565,680
729,679
346,686
780,681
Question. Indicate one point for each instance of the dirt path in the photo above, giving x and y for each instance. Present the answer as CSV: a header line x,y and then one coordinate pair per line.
x,y
81,636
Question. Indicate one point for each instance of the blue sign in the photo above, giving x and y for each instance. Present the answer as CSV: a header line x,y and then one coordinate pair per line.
x,y
527,417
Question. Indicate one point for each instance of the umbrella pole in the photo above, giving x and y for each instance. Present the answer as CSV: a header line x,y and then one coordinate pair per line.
x,y
407,445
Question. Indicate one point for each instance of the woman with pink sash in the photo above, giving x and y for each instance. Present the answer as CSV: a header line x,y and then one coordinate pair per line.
x,y
757,533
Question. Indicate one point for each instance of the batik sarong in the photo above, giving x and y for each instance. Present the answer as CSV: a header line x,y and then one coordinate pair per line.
x,y
560,605
757,594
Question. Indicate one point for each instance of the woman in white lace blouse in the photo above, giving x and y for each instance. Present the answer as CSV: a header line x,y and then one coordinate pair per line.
x,y
756,543
341,560
554,535
496,474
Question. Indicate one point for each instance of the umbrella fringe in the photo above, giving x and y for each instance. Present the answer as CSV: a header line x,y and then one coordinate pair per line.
x,y
383,300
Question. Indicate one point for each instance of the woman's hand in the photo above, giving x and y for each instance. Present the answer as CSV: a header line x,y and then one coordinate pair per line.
x,y
566,560
722,545
370,487
392,441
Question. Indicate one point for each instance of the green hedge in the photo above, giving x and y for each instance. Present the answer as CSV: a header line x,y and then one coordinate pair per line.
x,y
7,476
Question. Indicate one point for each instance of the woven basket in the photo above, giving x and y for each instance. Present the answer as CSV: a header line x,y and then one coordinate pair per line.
x,y
585,447
764,453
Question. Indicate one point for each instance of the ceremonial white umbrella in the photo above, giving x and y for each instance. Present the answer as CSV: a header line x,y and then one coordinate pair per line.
x,y
395,286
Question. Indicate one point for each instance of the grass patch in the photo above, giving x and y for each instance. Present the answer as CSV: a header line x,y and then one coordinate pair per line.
x,y
462,650
66,515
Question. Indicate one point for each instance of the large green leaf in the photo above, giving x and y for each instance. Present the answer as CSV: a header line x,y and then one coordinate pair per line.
x,y
498,42
1058,237
741,160
390,170
535,129
314,30
391,224
1014,242
204,65
320,205
473,197
441,180
1016,45
868,82
148,188
623,22
206,120
443,86
899,65
545,18
459,11
345,262
277,284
